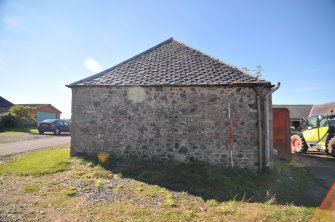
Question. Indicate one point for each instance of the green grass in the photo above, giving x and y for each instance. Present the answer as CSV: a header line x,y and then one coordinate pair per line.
x,y
222,183
31,130
31,188
288,182
38,163
212,203
205,193
99,185
70,192
20,130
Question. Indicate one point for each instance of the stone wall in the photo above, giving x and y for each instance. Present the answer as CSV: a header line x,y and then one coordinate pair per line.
x,y
166,123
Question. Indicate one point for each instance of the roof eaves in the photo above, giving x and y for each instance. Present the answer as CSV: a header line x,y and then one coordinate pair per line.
x,y
178,85
54,108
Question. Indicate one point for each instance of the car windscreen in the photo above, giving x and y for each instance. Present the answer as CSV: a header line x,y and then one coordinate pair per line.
x,y
48,120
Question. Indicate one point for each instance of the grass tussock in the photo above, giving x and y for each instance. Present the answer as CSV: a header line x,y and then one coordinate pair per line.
x,y
31,188
38,163
70,192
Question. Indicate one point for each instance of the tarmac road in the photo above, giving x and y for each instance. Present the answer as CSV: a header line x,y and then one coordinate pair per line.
x,y
28,145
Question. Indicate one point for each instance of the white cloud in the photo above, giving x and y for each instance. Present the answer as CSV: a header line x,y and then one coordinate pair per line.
x,y
92,65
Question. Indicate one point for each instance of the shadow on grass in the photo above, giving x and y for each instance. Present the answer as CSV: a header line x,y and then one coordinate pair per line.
x,y
285,185
52,134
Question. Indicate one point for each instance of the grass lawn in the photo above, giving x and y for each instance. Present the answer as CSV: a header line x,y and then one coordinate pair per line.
x,y
52,186
39,163
20,130
31,130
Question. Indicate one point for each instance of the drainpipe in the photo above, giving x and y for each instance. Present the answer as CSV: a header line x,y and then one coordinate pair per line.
x,y
267,125
260,145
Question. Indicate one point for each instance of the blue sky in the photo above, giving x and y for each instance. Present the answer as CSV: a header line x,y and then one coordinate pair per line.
x,y
45,45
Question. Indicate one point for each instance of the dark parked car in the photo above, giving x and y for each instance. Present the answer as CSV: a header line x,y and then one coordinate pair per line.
x,y
53,125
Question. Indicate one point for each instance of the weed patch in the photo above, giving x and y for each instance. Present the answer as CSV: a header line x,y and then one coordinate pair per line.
x,y
31,188
212,203
70,192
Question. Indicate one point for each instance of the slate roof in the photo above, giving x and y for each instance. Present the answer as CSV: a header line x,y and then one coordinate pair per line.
x,y
172,63
297,111
5,103
322,109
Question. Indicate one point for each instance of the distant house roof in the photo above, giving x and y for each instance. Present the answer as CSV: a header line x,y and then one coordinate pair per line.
x,y
33,105
5,103
172,63
38,105
323,108
297,111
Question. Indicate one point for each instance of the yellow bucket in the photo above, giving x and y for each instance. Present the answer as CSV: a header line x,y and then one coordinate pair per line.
x,y
103,157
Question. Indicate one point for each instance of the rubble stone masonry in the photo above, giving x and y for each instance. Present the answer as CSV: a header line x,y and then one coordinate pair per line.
x,y
166,123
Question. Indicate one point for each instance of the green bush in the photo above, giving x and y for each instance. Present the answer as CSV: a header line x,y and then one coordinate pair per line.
x,y
7,120
18,116
23,115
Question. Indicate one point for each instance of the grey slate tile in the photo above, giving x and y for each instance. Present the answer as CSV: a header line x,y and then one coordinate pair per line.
x,y
172,63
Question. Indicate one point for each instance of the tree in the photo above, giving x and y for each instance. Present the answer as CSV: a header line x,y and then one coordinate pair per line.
x,y
255,72
23,114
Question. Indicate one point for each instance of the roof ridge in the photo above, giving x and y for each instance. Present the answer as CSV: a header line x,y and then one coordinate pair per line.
x,y
97,75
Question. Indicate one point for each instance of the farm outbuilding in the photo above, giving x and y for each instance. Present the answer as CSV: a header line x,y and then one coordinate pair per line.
x,y
172,103
44,111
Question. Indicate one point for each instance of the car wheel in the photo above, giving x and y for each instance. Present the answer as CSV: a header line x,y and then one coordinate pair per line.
x,y
57,132
40,132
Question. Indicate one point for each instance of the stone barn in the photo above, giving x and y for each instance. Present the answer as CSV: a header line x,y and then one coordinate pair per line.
x,y
172,103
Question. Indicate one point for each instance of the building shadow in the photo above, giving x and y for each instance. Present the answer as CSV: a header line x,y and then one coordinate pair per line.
x,y
318,155
214,182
